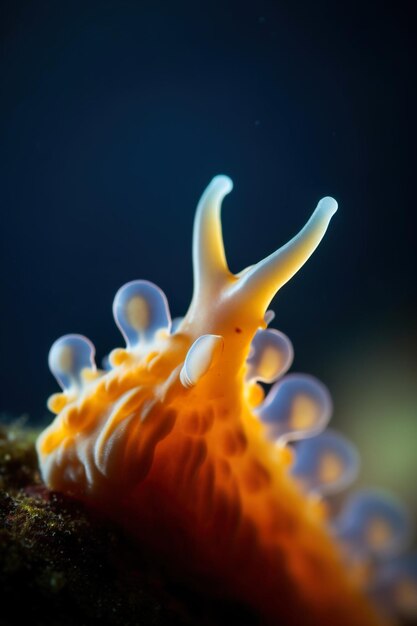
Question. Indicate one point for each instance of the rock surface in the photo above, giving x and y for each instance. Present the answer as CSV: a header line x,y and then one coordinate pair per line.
x,y
61,565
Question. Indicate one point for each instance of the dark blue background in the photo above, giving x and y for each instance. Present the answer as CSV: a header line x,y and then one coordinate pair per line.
x,y
114,117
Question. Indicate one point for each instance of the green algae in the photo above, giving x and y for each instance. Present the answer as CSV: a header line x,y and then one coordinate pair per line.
x,y
59,564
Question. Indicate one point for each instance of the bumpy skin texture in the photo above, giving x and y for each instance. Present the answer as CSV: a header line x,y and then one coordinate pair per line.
x,y
169,443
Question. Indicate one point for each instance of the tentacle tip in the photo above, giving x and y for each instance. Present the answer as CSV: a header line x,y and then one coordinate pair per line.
x,y
328,205
224,182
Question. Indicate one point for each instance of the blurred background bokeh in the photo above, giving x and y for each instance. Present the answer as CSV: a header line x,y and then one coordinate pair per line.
x,y
113,118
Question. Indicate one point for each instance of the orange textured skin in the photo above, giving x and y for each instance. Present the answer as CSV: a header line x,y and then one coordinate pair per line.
x,y
191,473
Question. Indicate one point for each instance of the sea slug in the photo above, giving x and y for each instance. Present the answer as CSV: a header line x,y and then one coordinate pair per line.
x,y
221,483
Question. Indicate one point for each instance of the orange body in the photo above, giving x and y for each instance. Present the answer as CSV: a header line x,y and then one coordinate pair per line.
x,y
169,443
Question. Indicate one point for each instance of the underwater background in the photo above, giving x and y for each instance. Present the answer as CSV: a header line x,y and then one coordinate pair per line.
x,y
115,115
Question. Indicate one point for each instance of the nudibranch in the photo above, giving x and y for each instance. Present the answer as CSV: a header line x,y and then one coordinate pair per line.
x,y
221,482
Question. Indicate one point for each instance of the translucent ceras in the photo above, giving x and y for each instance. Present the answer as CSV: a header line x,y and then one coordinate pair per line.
x,y
176,440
